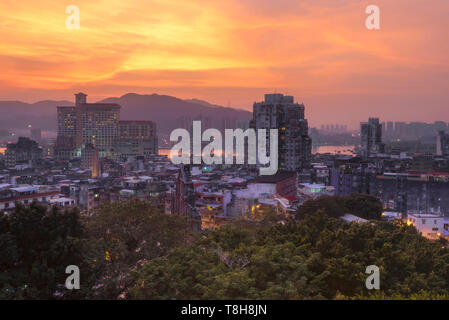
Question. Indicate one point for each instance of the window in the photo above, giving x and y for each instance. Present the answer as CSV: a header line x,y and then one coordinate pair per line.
x,y
423,221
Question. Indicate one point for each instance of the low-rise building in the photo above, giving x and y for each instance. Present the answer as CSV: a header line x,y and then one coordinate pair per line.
x,y
314,190
429,225
25,195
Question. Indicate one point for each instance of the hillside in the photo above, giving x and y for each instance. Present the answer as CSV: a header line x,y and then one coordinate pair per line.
x,y
166,111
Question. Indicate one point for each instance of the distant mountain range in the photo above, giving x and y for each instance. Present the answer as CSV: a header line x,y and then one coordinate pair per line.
x,y
166,111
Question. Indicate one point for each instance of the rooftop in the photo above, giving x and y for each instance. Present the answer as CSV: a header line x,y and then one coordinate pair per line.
x,y
424,215
352,218
278,177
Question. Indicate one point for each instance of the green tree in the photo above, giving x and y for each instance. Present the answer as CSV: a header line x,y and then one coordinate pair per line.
x,y
124,236
361,205
36,246
316,257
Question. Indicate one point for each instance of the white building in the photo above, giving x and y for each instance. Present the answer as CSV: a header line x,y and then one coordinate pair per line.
x,y
429,225
63,202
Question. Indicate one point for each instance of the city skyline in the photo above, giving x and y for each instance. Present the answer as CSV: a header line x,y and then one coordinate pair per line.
x,y
101,165
238,152
331,125
232,53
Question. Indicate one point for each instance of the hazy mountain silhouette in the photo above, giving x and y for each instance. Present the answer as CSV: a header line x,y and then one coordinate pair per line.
x,y
166,111
16,115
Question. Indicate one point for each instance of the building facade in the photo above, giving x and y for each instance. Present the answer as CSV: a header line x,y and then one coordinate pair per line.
x,y
414,192
184,198
99,125
281,112
442,144
429,225
90,159
137,138
371,137
25,151
66,121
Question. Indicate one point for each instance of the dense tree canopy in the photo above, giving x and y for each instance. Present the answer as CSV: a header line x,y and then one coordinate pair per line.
x,y
124,236
36,246
132,250
318,257
361,205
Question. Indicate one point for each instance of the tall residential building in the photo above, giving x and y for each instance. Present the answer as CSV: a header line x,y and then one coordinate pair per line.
x,y
24,151
66,121
281,112
442,144
371,137
418,192
90,159
137,138
65,147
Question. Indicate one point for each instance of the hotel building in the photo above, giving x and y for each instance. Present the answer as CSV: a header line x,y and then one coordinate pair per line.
x,y
99,125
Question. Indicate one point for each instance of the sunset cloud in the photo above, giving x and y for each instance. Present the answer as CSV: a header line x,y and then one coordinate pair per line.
x,y
224,51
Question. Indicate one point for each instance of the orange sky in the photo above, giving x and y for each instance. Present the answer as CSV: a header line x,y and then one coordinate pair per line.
x,y
232,52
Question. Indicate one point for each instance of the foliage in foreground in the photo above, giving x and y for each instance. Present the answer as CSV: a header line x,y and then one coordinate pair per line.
x,y
132,250
360,205
35,248
317,257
